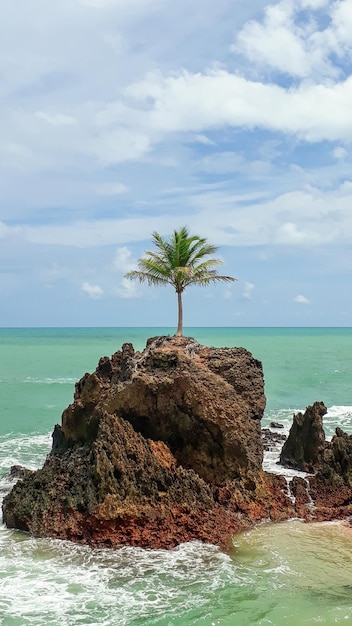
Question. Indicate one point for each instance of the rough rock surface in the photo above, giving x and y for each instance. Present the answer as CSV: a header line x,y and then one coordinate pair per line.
x,y
18,471
158,448
304,448
331,487
337,467
327,494
204,404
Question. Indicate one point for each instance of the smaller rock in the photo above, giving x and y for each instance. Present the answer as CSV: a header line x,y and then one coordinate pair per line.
x,y
337,467
304,448
271,439
276,425
18,471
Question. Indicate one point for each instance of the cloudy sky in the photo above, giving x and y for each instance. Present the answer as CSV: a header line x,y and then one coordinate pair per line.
x,y
121,117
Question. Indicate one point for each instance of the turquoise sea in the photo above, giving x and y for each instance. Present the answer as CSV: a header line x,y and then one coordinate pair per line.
x,y
289,574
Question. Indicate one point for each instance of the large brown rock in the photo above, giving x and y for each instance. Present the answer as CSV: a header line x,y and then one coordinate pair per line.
x,y
205,404
158,448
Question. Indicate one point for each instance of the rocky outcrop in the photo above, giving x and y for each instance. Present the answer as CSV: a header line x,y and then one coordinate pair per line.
x,y
326,493
188,396
331,486
165,446
337,467
18,471
158,448
304,448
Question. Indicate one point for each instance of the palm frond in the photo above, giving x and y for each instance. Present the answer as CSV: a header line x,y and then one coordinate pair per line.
x,y
180,261
208,279
164,247
200,249
144,277
208,265
155,260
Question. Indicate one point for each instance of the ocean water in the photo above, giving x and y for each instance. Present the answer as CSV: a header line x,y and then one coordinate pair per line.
x,y
285,574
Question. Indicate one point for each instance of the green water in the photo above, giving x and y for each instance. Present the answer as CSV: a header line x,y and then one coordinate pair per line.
x,y
38,367
291,574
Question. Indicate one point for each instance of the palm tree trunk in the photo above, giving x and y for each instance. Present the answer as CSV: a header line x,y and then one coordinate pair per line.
x,y
180,315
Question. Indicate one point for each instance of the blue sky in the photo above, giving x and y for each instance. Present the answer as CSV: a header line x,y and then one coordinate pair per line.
x,y
121,117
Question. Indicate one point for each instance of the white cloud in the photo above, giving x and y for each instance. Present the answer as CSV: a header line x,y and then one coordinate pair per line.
x,y
301,299
131,117
298,47
112,189
52,274
196,102
119,145
5,231
123,261
309,217
265,42
341,12
291,234
95,292
223,162
11,234
232,162
248,290
96,4
339,152
128,289
203,139
123,6
313,4
56,119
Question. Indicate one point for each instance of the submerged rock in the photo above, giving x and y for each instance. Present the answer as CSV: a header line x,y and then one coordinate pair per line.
x,y
271,439
18,471
158,448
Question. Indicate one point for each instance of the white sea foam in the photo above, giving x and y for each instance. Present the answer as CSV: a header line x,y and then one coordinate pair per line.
x,y
338,416
271,465
20,449
41,380
61,380
271,457
52,582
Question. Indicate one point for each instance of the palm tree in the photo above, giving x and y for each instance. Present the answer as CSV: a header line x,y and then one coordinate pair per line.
x,y
179,261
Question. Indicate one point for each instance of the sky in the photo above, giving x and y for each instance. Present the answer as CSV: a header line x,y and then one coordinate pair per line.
x,y
124,117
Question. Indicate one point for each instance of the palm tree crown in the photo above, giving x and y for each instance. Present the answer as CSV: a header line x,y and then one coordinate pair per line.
x,y
179,261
